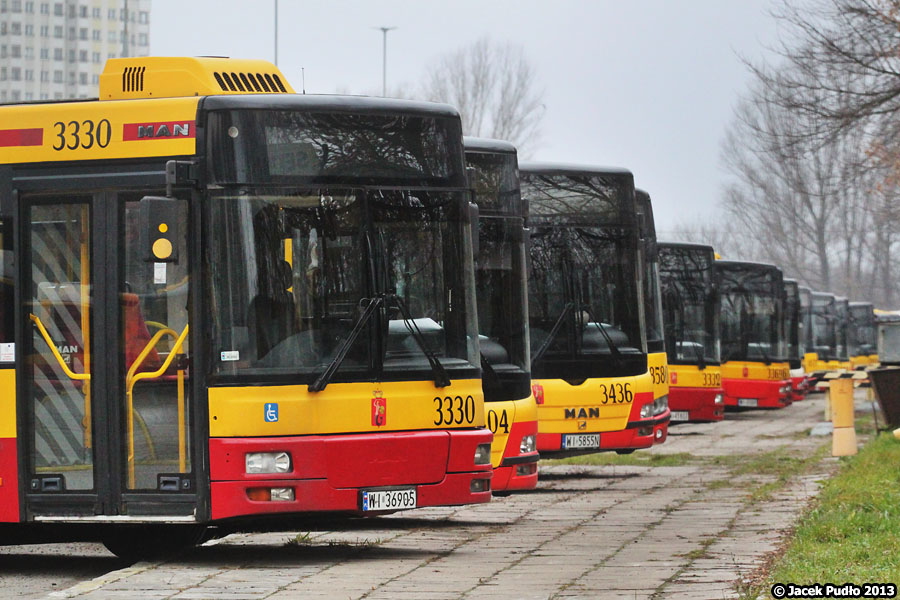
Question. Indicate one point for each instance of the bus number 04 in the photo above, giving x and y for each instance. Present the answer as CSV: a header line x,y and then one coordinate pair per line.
x,y
82,135
454,410
495,423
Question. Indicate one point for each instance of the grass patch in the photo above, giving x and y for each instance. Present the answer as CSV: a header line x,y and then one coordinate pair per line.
x,y
776,468
641,459
851,533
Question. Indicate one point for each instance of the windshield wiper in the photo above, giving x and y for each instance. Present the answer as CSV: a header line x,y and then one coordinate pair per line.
x,y
441,379
322,380
613,349
553,331
701,360
488,373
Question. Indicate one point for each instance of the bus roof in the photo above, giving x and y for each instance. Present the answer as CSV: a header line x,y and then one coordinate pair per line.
x,y
478,144
748,265
549,168
686,246
330,103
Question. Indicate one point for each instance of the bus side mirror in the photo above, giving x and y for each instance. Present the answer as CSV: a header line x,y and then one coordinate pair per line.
x,y
159,229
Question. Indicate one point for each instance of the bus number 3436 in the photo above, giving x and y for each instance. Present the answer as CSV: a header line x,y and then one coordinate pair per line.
x,y
454,410
616,393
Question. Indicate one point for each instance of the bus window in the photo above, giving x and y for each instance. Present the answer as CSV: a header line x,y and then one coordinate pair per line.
x,y
7,299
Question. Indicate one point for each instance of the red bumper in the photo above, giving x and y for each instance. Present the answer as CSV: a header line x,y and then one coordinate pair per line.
x,y
699,403
329,472
767,394
9,482
517,471
799,388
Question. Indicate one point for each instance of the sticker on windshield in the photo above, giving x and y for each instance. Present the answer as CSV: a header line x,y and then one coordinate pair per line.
x,y
231,355
271,412
159,273
8,352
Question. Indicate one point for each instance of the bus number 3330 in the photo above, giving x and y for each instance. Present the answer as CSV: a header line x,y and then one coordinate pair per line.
x,y
454,410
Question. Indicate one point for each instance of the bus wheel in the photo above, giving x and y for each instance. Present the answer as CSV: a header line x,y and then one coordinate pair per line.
x,y
626,451
151,542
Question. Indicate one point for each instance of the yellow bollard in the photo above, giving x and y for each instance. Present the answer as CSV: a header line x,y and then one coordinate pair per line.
x,y
897,433
843,441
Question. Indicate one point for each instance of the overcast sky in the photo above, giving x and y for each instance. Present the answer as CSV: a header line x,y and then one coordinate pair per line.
x,y
644,84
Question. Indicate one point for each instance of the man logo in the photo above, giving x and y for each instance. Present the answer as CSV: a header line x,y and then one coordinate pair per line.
x,y
580,413
582,425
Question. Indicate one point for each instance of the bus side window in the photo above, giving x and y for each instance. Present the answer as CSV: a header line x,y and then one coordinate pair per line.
x,y
7,288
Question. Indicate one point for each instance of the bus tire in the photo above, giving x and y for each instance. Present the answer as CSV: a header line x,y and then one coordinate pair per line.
x,y
625,451
151,542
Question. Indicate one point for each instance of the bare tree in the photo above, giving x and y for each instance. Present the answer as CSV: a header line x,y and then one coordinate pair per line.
x,y
494,87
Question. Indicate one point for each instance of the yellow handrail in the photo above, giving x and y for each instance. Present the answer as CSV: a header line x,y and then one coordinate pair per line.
x,y
69,373
132,378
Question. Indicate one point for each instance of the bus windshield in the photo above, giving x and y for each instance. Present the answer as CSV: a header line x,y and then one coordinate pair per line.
x,y
862,329
792,322
585,308
805,321
500,277
842,326
752,312
824,342
690,304
652,300
292,273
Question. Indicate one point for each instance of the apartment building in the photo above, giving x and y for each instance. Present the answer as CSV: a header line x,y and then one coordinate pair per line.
x,y
55,50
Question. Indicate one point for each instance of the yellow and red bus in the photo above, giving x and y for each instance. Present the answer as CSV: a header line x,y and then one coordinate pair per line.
x,y
588,349
230,301
755,372
821,349
691,316
862,338
502,299
794,338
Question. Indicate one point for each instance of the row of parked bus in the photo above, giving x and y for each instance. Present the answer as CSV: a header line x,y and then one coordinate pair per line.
x,y
226,304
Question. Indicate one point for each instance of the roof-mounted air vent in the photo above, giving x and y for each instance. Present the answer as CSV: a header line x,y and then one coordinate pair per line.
x,y
165,77
133,79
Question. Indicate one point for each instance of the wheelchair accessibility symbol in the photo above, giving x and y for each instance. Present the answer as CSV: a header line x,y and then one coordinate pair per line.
x,y
271,414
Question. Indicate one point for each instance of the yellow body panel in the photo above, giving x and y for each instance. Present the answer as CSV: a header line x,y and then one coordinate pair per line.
x,y
862,361
7,403
811,362
734,369
342,408
691,376
559,396
658,363
500,423
98,130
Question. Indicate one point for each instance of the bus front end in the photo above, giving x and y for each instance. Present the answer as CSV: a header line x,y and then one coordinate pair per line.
x,y
344,373
502,298
585,313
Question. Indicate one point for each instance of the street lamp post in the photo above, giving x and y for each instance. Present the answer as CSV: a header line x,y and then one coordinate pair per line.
x,y
384,30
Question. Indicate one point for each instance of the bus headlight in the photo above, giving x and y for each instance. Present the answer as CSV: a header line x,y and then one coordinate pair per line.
x,y
719,399
483,454
528,444
267,462
660,405
647,411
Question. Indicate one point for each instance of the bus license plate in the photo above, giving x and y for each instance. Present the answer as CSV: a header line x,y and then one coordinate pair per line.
x,y
584,440
680,415
388,499
748,402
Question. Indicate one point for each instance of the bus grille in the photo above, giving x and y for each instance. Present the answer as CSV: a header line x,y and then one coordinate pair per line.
x,y
249,82
133,79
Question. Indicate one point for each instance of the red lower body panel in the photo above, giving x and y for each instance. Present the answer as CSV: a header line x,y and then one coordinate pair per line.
x,y
699,403
328,471
768,394
517,471
9,482
798,388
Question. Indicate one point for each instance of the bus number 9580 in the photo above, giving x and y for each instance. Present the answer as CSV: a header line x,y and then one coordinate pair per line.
x,y
454,410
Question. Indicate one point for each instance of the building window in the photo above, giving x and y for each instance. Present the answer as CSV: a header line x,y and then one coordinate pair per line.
x,y
82,33
45,8
71,56
82,78
73,10
16,95
144,17
16,6
57,95
95,13
2,6
57,54
3,51
142,39
58,9
58,32
72,78
15,74
95,34
3,95
45,53
95,58
72,33
29,30
29,52
113,38
15,28
29,7
45,31
111,14
2,73
111,55
45,76
3,28
45,96
57,76
29,75
82,56
82,11
95,79
15,51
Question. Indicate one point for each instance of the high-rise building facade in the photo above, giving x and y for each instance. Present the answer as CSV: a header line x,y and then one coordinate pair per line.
x,y
54,50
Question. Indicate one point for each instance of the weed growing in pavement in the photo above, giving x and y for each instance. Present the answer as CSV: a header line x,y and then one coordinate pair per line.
x,y
638,459
302,539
